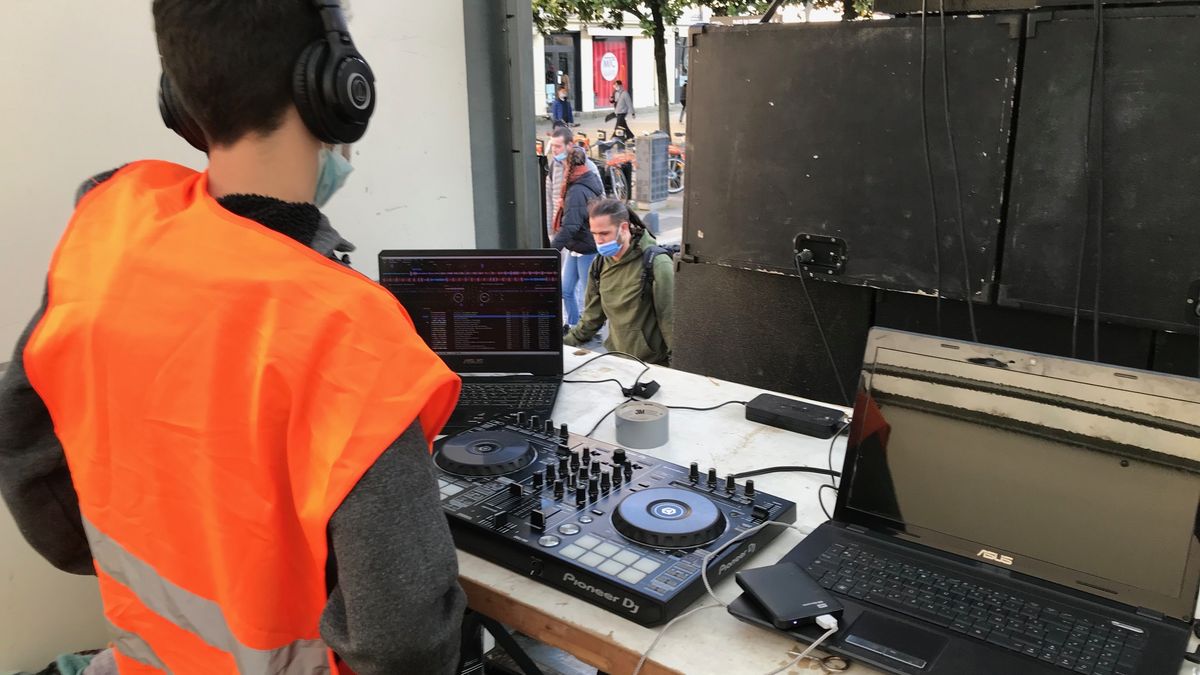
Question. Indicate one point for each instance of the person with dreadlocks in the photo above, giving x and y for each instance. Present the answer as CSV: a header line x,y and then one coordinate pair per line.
x,y
631,286
570,229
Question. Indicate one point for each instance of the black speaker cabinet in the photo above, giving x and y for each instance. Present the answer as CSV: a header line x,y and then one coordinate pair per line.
x,y
757,329
817,129
1149,264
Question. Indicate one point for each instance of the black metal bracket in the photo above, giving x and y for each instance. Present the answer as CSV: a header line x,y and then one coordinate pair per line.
x,y
1015,23
1034,19
819,254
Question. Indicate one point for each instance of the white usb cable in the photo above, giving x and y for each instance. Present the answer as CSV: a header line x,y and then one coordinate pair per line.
x,y
825,621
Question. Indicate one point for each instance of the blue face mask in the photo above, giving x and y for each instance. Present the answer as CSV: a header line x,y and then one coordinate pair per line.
x,y
608,249
561,156
332,174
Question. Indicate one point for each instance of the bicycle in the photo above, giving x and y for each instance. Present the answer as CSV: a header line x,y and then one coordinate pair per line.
x,y
618,161
676,162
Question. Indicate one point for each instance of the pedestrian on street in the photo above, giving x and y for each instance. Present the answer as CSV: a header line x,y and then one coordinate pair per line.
x,y
631,286
682,102
622,106
570,229
560,110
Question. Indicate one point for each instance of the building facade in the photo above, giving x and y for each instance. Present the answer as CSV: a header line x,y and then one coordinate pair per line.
x,y
588,59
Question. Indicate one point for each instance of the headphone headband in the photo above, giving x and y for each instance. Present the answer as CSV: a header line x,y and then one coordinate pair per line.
x,y
332,86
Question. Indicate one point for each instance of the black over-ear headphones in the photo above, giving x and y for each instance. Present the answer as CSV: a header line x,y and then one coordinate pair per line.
x,y
332,87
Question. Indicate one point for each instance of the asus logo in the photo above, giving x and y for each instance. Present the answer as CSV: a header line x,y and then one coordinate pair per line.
x,y
994,557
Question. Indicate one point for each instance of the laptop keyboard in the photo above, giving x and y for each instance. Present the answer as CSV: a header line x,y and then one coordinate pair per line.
x,y
1053,634
511,395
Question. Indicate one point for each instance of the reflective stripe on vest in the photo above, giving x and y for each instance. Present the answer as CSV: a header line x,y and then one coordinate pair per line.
x,y
192,613
134,647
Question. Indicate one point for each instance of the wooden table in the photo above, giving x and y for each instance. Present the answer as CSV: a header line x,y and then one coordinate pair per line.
x,y
710,641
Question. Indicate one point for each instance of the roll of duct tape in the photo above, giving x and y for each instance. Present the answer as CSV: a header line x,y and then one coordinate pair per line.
x,y
642,424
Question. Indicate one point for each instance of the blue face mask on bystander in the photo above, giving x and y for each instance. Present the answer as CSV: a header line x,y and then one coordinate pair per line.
x,y
609,248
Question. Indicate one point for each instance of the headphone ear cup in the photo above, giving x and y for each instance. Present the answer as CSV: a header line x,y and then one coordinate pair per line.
x,y
176,117
306,90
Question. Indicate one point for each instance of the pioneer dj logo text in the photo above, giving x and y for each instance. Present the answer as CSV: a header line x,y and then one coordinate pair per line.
x,y
582,585
994,557
737,560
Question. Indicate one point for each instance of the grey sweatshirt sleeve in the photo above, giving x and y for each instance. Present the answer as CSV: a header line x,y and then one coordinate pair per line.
x,y
396,606
34,479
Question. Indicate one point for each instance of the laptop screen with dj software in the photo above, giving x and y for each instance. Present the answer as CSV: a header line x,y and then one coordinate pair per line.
x,y
482,311
1065,471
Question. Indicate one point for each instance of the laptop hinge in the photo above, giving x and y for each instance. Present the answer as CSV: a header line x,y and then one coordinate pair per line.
x,y
857,529
1150,614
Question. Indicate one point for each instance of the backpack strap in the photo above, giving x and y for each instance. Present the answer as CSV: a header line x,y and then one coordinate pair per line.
x,y
648,257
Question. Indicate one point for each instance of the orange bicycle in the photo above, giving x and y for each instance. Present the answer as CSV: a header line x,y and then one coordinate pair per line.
x,y
676,161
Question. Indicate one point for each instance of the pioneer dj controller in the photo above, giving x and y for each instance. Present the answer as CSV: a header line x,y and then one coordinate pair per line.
x,y
615,527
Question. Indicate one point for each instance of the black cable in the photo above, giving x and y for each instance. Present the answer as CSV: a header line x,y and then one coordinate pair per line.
x,y
962,227
822,501
601,420
1098,76
937,244
618,382
787,469
1090,165
719,405
833,442
820,330
770,13
600,356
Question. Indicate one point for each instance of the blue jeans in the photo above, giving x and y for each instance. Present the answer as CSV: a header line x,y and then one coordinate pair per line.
x,y
575,277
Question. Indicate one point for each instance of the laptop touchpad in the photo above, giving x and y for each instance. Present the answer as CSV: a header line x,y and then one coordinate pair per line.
x,y
899,643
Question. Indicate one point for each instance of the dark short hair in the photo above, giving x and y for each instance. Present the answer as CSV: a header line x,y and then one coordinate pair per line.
x,y
231,61
564,132
618,82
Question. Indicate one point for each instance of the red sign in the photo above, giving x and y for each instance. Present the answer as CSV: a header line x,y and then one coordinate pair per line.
x,y
610,62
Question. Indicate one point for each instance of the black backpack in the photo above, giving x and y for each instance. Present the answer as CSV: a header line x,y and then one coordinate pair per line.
x,y
648,256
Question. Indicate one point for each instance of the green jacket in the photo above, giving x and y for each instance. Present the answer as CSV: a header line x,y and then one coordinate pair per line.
x,y
638,323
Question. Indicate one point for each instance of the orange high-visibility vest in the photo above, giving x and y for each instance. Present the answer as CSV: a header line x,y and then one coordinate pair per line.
x,y
218,388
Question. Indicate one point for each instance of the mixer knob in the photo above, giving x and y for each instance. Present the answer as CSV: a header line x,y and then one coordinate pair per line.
x,y
500,519
537,481
580,496
616,477
537,519
730,485
628,469
574,461
551,474
564,449
558,489
520,419
605,483
596,467
564,432
750,488
533,422
594,486
585,456
548,426
618,456
694,472
515,490
712,478
582,476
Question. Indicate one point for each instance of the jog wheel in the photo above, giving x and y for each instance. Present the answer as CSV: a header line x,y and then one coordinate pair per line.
x,y
669,518
485,453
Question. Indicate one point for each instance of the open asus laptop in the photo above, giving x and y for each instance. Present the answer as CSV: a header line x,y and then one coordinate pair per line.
x,y
494,317
1008,512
